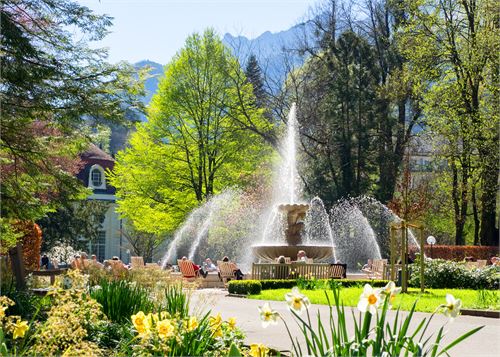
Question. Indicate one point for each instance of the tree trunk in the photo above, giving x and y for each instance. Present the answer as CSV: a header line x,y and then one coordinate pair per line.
x,y
489,233
476,215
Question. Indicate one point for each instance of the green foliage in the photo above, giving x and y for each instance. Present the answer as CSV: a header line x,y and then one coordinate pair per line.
x,y
244,287
120,299
176,301
194,143
72,221
315,284
440,273
52,81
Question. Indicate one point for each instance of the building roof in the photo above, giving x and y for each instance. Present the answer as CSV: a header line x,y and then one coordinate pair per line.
x,y
96,156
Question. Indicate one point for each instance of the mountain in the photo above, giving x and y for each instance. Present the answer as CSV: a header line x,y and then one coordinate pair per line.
x,y
268,48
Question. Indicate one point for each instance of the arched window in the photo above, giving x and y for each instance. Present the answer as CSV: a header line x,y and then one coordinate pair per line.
x,y
97,179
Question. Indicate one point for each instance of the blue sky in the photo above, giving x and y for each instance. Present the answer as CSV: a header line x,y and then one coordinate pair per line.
x,y
156,29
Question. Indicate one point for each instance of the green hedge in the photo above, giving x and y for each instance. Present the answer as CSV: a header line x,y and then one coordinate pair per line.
x,y
244,287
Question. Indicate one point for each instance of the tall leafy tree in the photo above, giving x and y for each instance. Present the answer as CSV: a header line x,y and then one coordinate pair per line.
x,y
50,82
453,51
196,141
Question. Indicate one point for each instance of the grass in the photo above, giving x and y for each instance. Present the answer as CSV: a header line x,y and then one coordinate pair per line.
x,y
427,302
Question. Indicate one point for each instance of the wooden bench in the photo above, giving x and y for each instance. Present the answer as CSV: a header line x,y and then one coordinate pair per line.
x,y
338,271
50,273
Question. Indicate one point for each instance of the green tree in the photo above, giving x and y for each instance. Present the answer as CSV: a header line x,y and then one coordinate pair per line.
x,y
51,82
196,141
74,223
453,49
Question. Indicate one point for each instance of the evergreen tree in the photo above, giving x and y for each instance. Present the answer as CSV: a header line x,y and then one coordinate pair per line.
x,y
254,76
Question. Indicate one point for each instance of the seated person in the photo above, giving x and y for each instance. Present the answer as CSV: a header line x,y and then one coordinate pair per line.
x,y
209,265
495,261
197,270
368,265
301,256
75,264
281,259
45,262
95,262
236,271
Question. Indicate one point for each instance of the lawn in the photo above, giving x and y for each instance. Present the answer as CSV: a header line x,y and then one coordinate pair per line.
x,y
427,302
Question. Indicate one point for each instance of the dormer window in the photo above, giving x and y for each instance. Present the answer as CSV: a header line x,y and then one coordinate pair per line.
x,y
97,178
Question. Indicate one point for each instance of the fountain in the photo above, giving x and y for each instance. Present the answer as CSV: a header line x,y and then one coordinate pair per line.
x,y
286,232
355,230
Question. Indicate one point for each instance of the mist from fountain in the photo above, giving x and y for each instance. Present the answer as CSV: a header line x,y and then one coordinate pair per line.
x,y
317,226
355,240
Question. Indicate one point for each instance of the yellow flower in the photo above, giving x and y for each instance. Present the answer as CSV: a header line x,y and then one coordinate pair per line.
x,y
192,324
369,300
232,323
20,329
215,321
390,291
218,332
165,328
258,350
140,322
268,315
296,301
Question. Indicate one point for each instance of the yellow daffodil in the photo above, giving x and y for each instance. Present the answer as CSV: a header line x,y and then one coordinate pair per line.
x,y
268,315
165,328
390,291
20,329
231,322
215,321
369,300
452,307
258,350
192,323
296,301
140,322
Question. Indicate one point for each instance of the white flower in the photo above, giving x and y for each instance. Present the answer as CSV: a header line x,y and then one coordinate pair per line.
x,y
296,301
268,315
369,300
390,291
452,307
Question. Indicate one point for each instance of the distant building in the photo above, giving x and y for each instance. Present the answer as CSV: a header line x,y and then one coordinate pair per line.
x,y
111,241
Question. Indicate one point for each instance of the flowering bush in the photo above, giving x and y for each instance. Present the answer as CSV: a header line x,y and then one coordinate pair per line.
x,y
459,252
440,274
378,339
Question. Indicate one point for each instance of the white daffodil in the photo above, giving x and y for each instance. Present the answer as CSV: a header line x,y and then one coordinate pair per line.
x,y
267,315
452,307
297,301
390,291
369,300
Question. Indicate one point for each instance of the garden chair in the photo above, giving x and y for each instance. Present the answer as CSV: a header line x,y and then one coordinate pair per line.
x,y
226,271
337,271
282,271
186,268
117,268
136,262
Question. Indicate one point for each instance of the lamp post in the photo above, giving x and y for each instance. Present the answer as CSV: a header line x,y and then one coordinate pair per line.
x,y
431,241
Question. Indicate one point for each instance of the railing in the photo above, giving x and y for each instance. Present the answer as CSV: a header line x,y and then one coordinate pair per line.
x,y
266,271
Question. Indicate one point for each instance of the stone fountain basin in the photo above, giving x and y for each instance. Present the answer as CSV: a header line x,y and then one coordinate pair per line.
x,y
268,253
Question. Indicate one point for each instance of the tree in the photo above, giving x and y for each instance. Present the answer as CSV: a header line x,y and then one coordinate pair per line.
x,y
51,82
196,141
254,76
143,244
452,47
74,223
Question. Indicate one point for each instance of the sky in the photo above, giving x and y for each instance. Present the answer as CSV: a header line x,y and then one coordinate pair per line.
x,y
157,29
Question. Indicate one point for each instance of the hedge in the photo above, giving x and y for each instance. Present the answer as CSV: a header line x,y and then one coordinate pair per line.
x,y
246,287
459,252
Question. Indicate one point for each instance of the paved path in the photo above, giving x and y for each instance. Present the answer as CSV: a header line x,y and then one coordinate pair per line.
x,y
486,342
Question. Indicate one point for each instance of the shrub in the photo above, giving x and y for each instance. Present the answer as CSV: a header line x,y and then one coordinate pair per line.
x,y
244,287
459,252
320,283
439,274
278,284
120,299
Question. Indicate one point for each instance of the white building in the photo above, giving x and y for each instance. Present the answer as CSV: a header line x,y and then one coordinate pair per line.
x,y
111,241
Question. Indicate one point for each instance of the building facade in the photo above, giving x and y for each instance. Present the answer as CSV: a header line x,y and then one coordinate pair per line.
x,y
111,241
